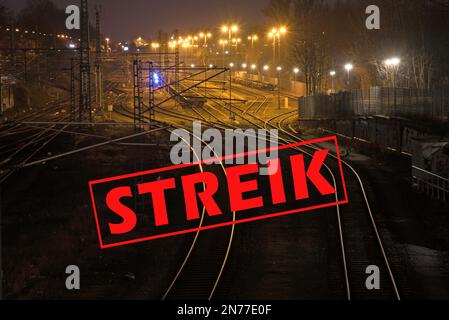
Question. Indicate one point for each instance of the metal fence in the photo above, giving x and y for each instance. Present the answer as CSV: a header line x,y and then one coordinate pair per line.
x,y
395,102
431,184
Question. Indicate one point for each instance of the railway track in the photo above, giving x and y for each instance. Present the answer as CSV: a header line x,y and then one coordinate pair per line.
x,y
361,243
200,272
22,140
360,240
358,233
21,143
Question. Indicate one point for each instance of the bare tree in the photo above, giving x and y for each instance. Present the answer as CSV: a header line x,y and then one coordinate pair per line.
x,y
279,11
311,42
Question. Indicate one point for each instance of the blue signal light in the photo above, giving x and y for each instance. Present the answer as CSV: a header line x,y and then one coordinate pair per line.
x,y
156,79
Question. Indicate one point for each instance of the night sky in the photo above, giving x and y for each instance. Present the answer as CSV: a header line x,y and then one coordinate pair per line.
x,y
126,19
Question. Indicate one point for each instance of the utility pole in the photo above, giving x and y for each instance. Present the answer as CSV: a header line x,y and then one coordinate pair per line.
x,y
177,62
72,91
160,47
98,71
13,42
279,69
84,54
231,114
151,101
137,93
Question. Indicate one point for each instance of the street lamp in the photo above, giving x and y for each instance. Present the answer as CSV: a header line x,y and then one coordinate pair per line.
x,y
279,69
253,66
107,44
231,115
275,34
332,74
155,45
205,36
230,29
348,68
393,64
253,38
295,72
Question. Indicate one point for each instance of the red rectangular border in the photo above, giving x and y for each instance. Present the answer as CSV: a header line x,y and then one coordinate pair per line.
x,y
215,226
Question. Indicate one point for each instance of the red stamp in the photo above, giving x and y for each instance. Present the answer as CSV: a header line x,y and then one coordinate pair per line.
x,y
187,198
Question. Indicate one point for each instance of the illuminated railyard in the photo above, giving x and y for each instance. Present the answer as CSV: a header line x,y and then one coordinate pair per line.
x,y
79,106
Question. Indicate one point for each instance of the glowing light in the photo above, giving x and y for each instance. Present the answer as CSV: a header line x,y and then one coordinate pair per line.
x,y
253,66
232,28
156,79
332,73
393,62
244,65
296,70
266,67
349,67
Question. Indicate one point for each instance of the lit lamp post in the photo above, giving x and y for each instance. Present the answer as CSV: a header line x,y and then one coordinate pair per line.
x,y
332,74
250,53
393,64
279,69
107,44
348,68
253,69
155,46
275,34
205,36
244,67
230,29
231,114
265,69
295,72
253,38
236,43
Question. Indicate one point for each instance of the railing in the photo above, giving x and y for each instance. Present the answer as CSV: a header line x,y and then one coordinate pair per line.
x,y
401,102
431,184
